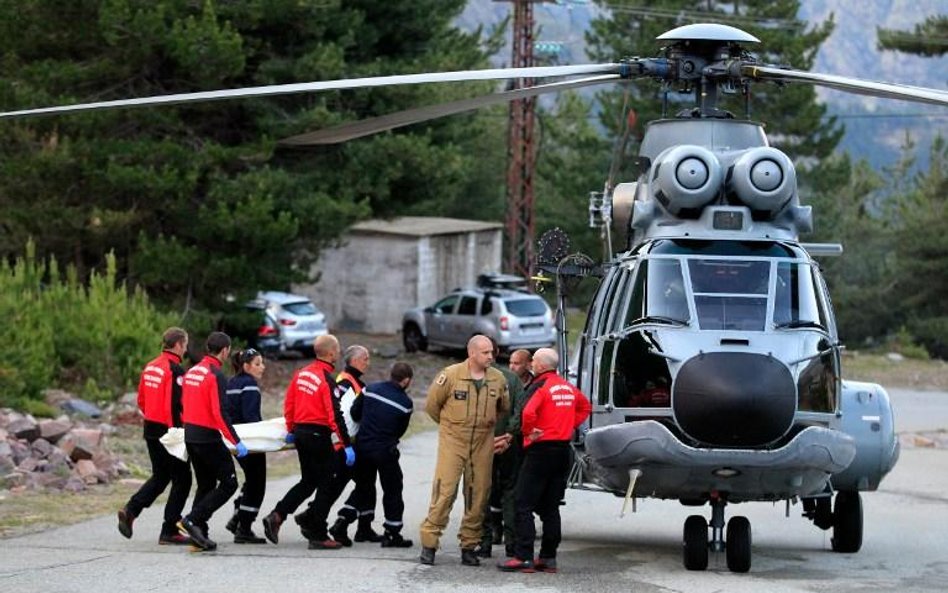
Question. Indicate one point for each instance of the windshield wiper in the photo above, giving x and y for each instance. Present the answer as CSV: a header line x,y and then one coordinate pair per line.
x,y
800,323
657,319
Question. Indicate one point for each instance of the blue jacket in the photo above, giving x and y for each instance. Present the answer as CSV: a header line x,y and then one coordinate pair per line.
x,y
383,410
243,399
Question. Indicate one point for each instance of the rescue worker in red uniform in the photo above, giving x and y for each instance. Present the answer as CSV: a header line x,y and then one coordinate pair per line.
x,y
159,399
554,409
356,359
205,420
311,414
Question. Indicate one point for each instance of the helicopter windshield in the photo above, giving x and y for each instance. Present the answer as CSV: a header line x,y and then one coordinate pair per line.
x,y
730,294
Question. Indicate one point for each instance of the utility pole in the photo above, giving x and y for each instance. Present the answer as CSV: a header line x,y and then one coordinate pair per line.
x,y
521,150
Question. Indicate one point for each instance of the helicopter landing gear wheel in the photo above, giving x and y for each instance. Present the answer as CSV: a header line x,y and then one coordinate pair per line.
x,y
695,544
738,545
847,522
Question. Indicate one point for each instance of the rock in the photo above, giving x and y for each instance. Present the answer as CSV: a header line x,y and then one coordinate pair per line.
x,y
87,471
74,484
3,434
24,428
6,464
30,464
13,481
81,407
6,450
53,430
129,417
129,399
75,447
57,397
895,357
91,436
41,448
21,451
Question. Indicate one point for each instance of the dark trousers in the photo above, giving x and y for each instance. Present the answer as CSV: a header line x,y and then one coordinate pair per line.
x,y
165,469
247,504
540,487
503,492
318,510
216,479
314,449
384,464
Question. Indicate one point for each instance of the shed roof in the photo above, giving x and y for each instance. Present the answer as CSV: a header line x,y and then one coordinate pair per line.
x,y
424,226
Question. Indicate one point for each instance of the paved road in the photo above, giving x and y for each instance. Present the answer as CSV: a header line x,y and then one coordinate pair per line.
x,y
903,550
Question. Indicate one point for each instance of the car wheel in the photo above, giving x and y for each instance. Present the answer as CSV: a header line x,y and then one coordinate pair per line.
x,y
413,340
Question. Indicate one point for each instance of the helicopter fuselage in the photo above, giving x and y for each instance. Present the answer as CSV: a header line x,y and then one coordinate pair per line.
x,y
710,350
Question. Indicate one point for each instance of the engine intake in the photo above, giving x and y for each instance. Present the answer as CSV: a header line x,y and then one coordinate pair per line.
x,y
685,179
763,179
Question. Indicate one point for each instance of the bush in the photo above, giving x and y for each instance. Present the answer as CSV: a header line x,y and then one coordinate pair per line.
x,y
90,338
932,333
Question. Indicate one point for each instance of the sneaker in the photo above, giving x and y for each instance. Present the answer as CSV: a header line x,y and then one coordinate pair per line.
x,y
469,558
232,524
427,556
248,537
365,533
395,540
125,520
198,539
173,539
516,565
545,564
271,526
324,544
340,532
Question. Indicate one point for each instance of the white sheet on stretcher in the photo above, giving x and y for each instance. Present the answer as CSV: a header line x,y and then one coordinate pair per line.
x,y
259,437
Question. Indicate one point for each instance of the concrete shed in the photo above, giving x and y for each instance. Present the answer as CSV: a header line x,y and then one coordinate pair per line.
x,y
384,267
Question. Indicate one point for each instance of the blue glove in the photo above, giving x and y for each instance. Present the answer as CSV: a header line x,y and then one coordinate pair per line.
x,y
290,438
241,449
350,456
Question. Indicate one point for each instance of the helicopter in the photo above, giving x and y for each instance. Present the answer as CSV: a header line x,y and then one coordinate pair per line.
x,y
710,351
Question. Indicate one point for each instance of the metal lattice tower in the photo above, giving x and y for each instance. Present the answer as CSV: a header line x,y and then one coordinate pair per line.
x,y
521,150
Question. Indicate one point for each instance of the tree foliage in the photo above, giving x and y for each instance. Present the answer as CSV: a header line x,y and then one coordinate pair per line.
x,y
929,38
195,200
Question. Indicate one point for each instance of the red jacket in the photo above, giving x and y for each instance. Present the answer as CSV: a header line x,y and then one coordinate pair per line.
x,y
309,398
556,407
203,396
159,393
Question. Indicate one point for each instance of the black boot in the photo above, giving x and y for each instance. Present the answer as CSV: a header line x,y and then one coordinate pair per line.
x,y
394,539
245,535
469,557
340,532
365,533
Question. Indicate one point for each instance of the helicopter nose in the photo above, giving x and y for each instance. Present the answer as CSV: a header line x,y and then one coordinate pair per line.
x,y
734,399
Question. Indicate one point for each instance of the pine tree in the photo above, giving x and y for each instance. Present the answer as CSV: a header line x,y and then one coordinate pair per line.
x,y
195,200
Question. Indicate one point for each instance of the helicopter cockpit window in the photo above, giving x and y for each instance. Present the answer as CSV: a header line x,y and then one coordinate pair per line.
x,y
658,293
730,294
796,303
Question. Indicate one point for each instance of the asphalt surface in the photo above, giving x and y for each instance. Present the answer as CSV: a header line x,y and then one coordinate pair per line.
x,y
906,533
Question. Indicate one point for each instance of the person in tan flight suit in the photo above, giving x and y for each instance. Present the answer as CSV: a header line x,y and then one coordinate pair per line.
x,y
465,400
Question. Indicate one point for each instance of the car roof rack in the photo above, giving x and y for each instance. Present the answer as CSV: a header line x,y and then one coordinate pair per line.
x,y
502,281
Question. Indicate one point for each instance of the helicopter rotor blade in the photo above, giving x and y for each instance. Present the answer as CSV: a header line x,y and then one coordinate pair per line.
x,y
852,85
366,127
328,85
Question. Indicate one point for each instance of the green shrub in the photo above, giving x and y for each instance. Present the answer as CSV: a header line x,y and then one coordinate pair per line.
x,y
92,338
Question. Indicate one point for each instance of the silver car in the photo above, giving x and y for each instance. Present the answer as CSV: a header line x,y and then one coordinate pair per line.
x,y
514,318
294,319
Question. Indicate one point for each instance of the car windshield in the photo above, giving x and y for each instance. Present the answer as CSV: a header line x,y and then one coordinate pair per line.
x,y
301,308
526,307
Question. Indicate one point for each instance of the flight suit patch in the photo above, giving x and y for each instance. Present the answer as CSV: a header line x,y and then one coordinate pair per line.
x,y
460,395
442,378
492,392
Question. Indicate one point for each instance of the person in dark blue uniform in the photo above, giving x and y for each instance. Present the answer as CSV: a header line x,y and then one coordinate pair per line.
x,y
383,411
243,404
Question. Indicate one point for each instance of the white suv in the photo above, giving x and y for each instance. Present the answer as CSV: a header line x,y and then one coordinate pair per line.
x,y
512,316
